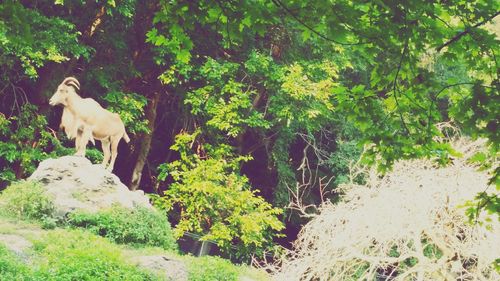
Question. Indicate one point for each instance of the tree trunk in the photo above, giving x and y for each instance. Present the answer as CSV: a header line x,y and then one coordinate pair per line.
x,y
145,143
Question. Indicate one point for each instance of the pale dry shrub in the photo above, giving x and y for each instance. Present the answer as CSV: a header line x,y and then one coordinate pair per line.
x,y
406,225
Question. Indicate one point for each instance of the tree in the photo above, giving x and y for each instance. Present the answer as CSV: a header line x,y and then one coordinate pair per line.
x,y
297,86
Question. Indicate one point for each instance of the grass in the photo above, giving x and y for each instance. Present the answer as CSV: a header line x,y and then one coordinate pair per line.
x,y
79,255
75,250
140,226
26,200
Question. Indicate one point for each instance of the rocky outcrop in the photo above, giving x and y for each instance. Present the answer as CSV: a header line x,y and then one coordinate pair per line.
x,y
170,268
77,184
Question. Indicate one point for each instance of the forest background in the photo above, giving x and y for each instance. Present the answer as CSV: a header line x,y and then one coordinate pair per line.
x,y
240,109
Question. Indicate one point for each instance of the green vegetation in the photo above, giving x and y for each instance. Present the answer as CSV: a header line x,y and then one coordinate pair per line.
x,y
212,268
218,202
11,267
26,200
71,255
121,225
25,141
78,255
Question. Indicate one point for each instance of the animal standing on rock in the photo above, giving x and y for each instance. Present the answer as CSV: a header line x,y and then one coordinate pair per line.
x,y
85,120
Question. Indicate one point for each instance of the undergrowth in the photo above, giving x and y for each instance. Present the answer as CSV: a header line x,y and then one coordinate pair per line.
x,y
121,225
79,255
27,200
12,268
76,252
71,255
212,268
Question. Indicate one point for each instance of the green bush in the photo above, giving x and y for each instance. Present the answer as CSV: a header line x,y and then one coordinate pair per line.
x,y
212,268
79,255
27,200
11,268
25,141
217,202
128,226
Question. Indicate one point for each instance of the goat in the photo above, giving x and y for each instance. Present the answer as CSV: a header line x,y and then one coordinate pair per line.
x,y
74,127
85,120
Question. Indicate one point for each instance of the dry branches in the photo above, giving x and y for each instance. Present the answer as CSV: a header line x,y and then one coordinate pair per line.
x,y
406,225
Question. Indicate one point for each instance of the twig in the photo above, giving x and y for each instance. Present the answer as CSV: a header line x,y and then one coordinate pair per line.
x,y
395,87
466,31
280,4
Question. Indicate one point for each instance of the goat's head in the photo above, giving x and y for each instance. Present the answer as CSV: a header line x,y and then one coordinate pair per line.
x,y
68,86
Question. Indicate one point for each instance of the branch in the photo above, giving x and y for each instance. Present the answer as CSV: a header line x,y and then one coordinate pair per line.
x,y
466,31
279,4
395,87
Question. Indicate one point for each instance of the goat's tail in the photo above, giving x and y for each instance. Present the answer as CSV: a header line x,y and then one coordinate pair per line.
x,y
126,137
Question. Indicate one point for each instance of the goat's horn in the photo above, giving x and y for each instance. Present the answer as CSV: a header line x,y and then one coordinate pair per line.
x,y
71,81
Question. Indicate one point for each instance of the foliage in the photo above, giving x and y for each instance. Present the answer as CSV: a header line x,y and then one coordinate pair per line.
x,y
257,76
343,159
215,201
483,201
212,268
122,225
94,155
224,102
29,40
11,268
25,141
131,109
78,255
306,96
27,200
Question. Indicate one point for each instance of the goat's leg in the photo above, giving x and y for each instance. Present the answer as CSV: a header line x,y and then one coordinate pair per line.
x,y
114,151
77,146
80,144
105,150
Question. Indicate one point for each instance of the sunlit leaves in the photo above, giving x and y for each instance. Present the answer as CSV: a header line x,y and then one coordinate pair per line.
x,y
226,103
31,39
24,142
305,99
130,107
217,202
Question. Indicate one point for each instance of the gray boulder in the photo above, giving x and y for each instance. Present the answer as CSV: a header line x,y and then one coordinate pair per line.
x,y
170,268
77,184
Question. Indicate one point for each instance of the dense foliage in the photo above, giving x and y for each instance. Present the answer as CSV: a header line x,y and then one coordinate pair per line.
x,y
71,255
212,268
26,200
75,255
216,202
11,267
236,108
125,226
74,250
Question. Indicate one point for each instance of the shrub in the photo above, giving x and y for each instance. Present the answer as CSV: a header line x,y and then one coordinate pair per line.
x,y
24,142
217,201
11,268
27,200
128,226
212,268
79,255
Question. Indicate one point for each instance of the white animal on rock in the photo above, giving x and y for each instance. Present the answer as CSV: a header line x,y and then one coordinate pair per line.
x,y
73,127
85,120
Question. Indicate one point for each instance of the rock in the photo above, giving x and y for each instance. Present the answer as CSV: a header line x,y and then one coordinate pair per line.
x,y
77,184
17,244
167,267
